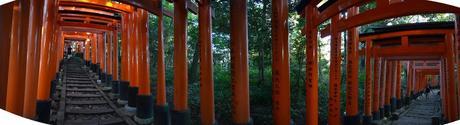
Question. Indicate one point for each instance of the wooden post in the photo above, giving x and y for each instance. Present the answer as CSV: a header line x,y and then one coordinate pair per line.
x,y
180,110
17,63
115,56
94,49
398,85
368,85
312,66
393,86
335,76
387,106
352,74
206,65
383,80
162,116
280,46
161,83
43,103
453,107
239,62
409,79
124,48
456,46
6,36
133,64
376,92
144,113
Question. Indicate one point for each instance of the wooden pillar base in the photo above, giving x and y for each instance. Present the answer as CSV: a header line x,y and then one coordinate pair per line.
x,y
399,103
382,112
123,90
115,87
367,120
376,115
180,117
144,114
393,101
132,98
108,79
162,115
249,123
387,109
353,120
53,86
43,110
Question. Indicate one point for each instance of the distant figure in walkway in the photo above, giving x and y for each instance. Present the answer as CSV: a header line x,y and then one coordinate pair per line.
x,y
427,91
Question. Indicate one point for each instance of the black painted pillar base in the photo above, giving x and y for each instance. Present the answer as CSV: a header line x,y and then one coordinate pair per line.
x,y
132,99
407,100
115,88
180,117
376,115
367,120
398,103
393,104
249,123
109,79
53,87
123,89
144,114
382,112
352,120
162,115
387,109
43,110
103,78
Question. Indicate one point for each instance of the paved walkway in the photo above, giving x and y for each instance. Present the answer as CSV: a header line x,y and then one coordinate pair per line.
x,y
419,112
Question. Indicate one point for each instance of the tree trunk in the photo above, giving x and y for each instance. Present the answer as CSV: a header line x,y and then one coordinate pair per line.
x,y
193,72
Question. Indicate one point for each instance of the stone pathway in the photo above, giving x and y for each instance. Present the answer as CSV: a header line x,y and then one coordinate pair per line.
x,y
419,112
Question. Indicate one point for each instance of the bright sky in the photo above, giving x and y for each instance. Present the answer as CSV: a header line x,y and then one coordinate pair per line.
x,y
5,1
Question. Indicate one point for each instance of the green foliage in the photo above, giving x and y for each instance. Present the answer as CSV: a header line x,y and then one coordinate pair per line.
x,y
260,60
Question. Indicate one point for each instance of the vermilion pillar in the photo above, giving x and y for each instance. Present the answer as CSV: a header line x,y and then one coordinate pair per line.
x,y
94,49
393,85
280,46
144,114
383,73
206,65
161,106
451,86
456,52
239,62
352,74
43,104
115,56
124,47
17,63
398,85
335,76
312,67
409,80
368,85
388,80
33,56
181,110
6,28
125,63
376,91
108,56
101,52
133,61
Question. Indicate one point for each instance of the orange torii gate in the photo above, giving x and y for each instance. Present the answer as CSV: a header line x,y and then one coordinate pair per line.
x,y
55,18
316,15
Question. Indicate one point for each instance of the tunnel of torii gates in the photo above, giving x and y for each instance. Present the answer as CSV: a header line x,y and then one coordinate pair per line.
x,y
35,38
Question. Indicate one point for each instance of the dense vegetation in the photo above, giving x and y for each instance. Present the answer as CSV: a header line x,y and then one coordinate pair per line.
x,y
259,19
